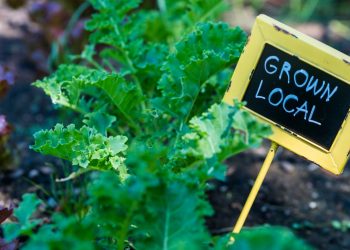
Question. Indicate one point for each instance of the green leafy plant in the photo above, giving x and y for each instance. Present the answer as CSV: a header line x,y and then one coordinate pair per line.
x,y
25,223
147,92
343,225
151,93
268,237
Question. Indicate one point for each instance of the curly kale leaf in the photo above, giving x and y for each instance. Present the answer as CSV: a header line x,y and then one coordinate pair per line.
x,y
84,147
72,85
212,137
70,232
202,54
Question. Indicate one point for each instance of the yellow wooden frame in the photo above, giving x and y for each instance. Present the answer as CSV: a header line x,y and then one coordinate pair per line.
x,y
313,52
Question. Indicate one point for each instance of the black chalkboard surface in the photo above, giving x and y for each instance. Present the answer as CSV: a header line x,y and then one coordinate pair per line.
x,y
298,96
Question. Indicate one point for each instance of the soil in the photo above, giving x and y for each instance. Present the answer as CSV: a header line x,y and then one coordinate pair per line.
x,y
26,108
296,193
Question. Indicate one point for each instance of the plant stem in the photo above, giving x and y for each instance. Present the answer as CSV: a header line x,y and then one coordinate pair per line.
x,y
162,6
185,120
109,65
131,122
206,15
125,226
96,65
73,107
129,62
72,21
83,112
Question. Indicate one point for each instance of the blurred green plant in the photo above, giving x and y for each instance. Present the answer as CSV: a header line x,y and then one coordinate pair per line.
x,y
268,237
25,223
343,225
300,10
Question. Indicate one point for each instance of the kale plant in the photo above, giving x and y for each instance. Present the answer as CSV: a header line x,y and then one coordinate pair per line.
x,y
149,124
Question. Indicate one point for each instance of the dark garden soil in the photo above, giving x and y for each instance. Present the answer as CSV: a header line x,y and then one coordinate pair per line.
x,y
296,193
27,110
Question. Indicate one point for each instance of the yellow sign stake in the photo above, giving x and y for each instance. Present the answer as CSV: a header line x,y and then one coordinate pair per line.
x,y
257,184
267,78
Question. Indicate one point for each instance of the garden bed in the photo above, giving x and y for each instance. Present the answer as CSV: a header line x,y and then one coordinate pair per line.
x,y
297,194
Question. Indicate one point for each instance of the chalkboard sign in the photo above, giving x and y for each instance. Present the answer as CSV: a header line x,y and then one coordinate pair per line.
x,y
298,96
300,87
